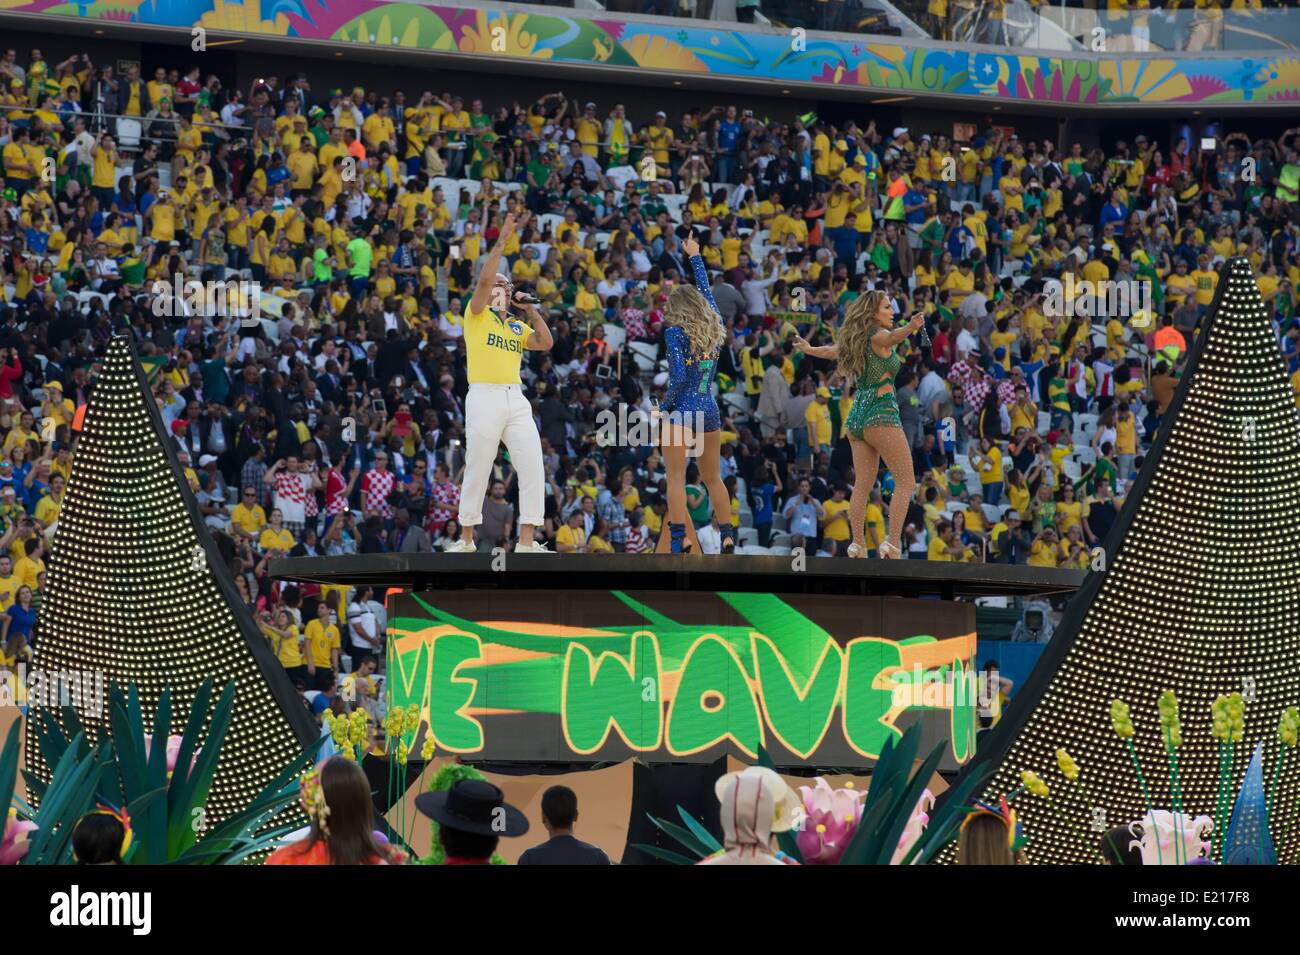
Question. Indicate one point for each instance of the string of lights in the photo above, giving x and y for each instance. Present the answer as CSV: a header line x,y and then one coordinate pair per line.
x,y
1198,595
137,589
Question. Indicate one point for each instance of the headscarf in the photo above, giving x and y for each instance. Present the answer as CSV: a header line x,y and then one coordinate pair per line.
x,y
756,802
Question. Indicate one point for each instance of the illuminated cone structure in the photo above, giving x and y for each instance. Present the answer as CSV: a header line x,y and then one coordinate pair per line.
x,y
137,589
1200,595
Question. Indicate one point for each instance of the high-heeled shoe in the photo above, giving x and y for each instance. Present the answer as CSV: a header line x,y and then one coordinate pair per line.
x,y
889,551
856,551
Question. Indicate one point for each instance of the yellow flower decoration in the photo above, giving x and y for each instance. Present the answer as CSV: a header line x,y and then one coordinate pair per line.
x,y
1034,784
1069,768
1236,717
426,751
1170,727
403,751
1288,727
1221,722
1120,720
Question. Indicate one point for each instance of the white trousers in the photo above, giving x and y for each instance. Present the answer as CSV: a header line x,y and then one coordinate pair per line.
x,y
495,414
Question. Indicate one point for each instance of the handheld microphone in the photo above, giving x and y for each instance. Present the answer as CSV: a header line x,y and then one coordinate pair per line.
x,y
925,337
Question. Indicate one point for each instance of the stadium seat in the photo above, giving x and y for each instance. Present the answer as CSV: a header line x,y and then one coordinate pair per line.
x,y
549,221
1085,455
1085,426
128,133
86,298
645,355
737,404
1044,422
450,192
615,335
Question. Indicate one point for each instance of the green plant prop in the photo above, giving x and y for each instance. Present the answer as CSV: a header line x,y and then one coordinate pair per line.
x,y
1122,723
1229,727
1171,733
165,804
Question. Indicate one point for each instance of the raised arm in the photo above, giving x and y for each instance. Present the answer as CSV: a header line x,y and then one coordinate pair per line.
x,y
816,351
883,339
487,278
699,273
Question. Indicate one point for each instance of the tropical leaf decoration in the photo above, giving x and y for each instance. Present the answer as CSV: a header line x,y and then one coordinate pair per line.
x,y
244,17
934,71
580,40
657,52
165,802
1057,81
405,25
895,789
502,35
69,796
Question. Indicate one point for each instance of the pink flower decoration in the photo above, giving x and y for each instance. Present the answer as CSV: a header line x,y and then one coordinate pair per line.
x,y
173,751
14,844
831,817
914,828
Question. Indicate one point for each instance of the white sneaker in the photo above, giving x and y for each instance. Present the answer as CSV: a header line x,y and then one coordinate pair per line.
x,y
536,547
461,547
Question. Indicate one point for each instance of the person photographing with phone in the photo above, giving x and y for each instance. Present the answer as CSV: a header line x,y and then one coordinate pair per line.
x,y
694,337
496,410
867,353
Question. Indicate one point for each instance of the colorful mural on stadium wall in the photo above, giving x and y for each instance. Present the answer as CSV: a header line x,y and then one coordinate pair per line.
x,y
700,47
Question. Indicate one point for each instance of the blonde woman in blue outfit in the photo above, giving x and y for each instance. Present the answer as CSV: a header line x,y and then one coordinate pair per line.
x,y
694,336
867,353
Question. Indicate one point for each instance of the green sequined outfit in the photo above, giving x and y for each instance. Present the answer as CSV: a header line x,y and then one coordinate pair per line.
x,y
869,409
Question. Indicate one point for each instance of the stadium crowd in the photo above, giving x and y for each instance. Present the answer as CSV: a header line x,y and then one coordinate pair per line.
x,y
334,425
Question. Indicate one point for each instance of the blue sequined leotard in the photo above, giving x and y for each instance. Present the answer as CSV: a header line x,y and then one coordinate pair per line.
x,y
690,378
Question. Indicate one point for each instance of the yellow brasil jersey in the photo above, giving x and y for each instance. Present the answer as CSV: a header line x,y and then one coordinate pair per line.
x,y
494,347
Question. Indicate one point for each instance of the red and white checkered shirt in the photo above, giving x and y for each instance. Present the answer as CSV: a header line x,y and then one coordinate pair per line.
x,y
375,488
974,385
313,503
446,494
336,502
291,493
634,323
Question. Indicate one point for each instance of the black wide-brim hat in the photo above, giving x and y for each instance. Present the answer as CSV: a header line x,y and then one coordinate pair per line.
x,y
475,806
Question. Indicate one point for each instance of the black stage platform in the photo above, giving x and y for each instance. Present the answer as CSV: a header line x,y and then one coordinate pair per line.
x,y
778,573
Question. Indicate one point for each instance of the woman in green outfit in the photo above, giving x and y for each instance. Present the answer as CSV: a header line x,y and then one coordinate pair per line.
x,y
866,351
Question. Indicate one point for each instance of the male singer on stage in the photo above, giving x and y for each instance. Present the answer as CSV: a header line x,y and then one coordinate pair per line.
x,y
496,409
